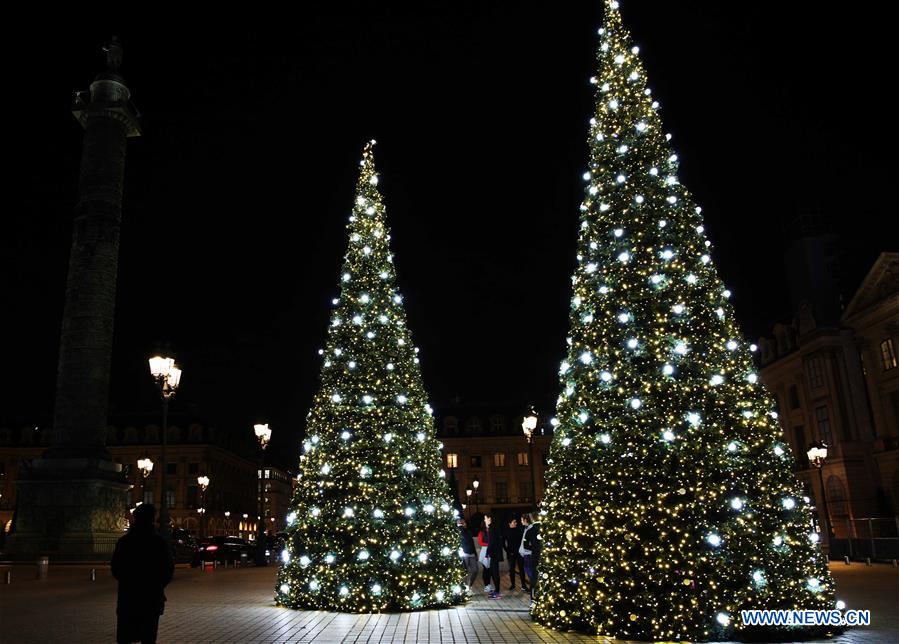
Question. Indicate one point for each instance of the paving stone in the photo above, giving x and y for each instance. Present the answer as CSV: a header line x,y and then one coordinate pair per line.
x,y
235,605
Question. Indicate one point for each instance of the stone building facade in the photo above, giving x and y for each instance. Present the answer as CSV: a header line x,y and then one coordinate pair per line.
x,y
873,317
193,450
487,443
277,485
836,381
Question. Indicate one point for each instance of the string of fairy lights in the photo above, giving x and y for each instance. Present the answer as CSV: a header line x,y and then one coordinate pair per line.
x,y
371,526
671,503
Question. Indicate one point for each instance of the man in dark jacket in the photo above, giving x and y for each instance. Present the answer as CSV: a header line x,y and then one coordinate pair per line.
x,y
143,564
468,553
530,548
513,543
495,552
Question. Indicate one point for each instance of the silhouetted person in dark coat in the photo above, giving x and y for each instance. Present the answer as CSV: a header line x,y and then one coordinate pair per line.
x,y
513,537
495,552
143,564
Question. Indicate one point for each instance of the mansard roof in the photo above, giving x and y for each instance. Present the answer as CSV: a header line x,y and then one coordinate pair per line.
x,y
881,282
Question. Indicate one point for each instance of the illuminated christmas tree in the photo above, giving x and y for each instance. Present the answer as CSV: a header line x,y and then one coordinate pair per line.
x,y
371,526
671,502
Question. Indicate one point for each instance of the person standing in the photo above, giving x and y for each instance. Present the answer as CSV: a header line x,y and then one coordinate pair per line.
x,y
495,553
483,559
513,537
468,553
142,563
530,548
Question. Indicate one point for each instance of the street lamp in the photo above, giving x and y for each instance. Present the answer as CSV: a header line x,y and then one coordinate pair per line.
x,y
203,482
817,454
529,427
263,435
145,465
467,498
475,484
167,376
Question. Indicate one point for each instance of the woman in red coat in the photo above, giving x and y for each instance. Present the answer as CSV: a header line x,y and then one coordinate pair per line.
x,y
483,542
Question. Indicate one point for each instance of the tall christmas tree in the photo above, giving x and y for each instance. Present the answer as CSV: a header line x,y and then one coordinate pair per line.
x,y
671,502
371,526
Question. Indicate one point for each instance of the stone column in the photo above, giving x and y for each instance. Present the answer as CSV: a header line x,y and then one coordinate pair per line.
x,y
72,502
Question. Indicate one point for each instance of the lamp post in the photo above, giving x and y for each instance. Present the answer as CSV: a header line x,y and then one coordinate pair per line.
x,y
203,482
167,376
475,484
817,453
467,498
145,465
529,427
263,435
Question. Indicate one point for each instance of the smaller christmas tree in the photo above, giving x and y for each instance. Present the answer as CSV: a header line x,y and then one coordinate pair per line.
x,y
371,526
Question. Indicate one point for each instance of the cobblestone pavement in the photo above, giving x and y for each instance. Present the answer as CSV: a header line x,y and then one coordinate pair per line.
x,y
235,605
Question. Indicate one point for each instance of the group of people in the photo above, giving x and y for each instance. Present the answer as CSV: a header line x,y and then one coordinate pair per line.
x,y
142,563
519,545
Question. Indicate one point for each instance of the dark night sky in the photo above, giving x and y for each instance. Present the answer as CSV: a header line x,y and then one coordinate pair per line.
x,y
238,192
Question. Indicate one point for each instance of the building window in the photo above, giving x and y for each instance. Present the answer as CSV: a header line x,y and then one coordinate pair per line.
x,y
794,397
522,458
822,418
502,491
894,399
452,461
888,354
476,461
170,498
148,495
815,373
451,425
193,468
524,491
835,489
499,459
192,496
171,468
473,425
497,426
801,446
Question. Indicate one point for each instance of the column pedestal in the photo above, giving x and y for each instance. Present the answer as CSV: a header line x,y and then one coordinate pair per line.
x,y
70,509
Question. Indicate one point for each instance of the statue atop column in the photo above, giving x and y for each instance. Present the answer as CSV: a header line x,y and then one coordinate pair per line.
x,y
113,50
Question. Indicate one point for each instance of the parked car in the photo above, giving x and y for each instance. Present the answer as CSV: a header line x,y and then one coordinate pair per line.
x,y
274,544
184,546
222,549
